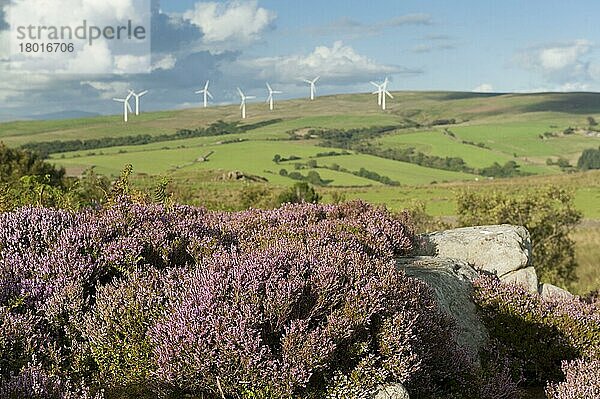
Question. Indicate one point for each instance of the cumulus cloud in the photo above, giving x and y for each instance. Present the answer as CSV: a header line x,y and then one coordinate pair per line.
x,y
484,88
561,63
231,24
103,56
338,64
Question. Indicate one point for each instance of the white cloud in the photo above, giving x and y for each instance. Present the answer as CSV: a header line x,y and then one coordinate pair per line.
x,y
165,63
80,16
556,58
232,24
338,64
108,90
561,63
484,88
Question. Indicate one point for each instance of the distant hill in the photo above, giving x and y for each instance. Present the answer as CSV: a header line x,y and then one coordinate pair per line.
x,y
62,115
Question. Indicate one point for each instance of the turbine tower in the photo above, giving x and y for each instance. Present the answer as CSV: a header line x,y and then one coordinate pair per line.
x,y
384,93
378,92
206,93
126,106
243,103
270,98
137,99
313,89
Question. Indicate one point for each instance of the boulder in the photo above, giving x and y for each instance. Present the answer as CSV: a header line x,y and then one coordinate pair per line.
x,y
392,391
551,291
526,277
499,249
450,280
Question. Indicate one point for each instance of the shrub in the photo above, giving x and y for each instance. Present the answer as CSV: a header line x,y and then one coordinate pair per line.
x,y
117,328
535,333
549,214
589,159
581,381
147,300
300,192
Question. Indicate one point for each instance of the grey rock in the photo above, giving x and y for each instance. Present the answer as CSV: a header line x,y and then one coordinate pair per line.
x,y
551,291
451,280
498,249
526,277
392,391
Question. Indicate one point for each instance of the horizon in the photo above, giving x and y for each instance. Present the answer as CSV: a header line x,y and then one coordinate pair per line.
x,y
419,45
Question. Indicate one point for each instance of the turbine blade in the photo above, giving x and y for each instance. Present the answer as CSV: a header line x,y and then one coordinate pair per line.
x,y
269,87
119,100
375,84
277,92
206,85
129,107
199,91
317,78
208,93
389,94
270,97
250,97
142,93
240,91
308,81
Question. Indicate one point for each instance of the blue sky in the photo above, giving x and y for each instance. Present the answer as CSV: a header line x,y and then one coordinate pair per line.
x,y
483,45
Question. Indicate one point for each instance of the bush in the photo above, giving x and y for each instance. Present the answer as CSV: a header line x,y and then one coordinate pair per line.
x,y
549,214
145,300
299,193
589,159
581,381
536,334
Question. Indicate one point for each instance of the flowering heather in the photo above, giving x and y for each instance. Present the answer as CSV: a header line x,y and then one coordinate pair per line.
x,y
142,300
581,381
536,333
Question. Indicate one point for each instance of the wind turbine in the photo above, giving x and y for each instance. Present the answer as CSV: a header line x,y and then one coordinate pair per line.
x,y
384,93
270,98
313,89
137,99
126,106
378,92
243,104
206,93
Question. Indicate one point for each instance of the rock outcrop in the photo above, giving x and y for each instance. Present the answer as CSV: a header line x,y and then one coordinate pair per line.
x,y
503,250
449,262
451,281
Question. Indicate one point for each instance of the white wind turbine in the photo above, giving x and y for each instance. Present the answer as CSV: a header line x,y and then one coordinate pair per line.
x,y
270,98
384,93
378,92
313,89
243,103
206,93
137,99
126,106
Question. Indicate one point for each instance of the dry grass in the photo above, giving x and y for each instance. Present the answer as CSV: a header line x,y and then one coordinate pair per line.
x,y
587,251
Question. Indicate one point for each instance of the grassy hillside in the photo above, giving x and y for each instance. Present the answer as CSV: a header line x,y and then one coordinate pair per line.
x,y
480,129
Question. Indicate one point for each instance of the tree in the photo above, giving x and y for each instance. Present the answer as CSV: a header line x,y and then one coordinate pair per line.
x,y
15,164
276,158
299,193
548,214
589,159
592,121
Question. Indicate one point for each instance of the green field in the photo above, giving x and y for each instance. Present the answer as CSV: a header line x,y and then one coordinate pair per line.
x,y
482,129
